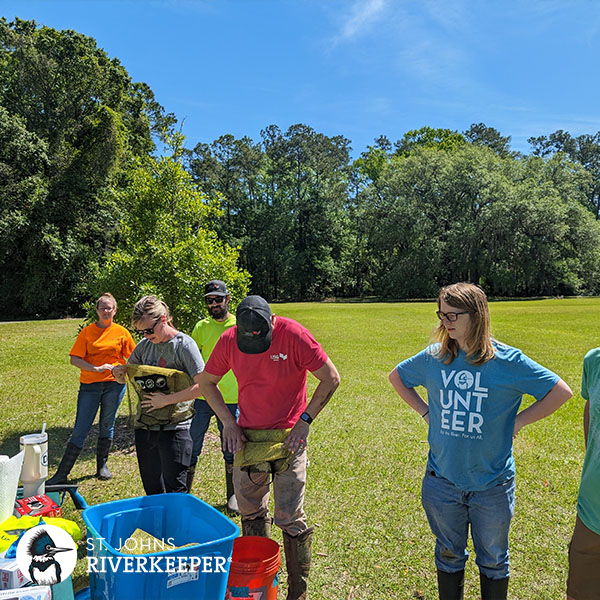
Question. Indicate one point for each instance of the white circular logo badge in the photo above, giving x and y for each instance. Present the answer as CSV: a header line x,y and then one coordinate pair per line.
x,y
46,554
463,380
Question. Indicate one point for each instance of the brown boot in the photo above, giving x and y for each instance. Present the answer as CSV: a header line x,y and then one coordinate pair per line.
x,y
297,559
259,527
232,504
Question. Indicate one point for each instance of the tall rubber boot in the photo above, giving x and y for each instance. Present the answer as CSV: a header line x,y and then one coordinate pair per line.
x,y
66,464
260,527
232,504
102,452
451,585
493,589
298,550
190,478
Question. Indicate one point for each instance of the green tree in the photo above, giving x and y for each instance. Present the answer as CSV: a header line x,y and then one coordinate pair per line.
x,y
168,245
515,225
429,137
583,149
480,134
93,121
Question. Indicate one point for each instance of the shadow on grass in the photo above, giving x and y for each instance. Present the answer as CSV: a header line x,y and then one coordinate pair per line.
x,y
123,442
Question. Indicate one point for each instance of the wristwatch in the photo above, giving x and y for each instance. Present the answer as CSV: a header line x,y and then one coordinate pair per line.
x,y
306,418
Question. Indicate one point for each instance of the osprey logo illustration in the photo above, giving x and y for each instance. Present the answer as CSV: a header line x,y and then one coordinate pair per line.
x,y
46,554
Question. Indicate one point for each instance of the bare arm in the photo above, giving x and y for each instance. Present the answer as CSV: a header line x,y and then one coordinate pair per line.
x,y
329,380
551,402
409,395
78,362
232,433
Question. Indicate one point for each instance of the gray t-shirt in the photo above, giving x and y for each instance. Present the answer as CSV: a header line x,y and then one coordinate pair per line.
x,y
180,352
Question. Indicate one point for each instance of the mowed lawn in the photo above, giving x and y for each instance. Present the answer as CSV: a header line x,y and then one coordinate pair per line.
x,y
367,449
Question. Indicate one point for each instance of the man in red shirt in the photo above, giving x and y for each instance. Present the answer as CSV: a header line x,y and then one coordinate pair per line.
x,y
270,357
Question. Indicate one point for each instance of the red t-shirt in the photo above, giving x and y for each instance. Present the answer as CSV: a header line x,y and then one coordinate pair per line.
x,y
272,385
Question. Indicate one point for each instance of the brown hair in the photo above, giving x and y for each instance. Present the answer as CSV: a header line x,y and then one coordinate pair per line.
x,y
150,306
479,347
106,296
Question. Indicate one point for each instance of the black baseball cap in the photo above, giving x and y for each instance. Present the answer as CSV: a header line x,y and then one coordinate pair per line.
x,y
254,328
216,287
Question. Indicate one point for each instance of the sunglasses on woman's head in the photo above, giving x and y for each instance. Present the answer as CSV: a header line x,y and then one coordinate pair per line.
x,y
149,331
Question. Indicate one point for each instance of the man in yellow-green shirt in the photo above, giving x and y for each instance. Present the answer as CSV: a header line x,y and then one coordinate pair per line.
x,y
206,334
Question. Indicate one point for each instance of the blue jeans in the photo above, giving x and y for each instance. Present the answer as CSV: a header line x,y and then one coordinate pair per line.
x,y
200,423
104,394
450,510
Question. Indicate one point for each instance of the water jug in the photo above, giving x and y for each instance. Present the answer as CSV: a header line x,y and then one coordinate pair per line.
x,y
35,463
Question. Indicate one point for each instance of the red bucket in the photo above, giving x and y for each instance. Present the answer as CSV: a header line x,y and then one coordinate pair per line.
x,y
254,569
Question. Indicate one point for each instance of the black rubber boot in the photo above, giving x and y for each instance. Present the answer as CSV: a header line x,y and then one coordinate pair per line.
x,y
102,452
493,589
232,504
298,551
259,527
190,478
66,464
451,585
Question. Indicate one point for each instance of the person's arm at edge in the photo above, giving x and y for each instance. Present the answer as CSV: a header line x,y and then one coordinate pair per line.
x,y
233,437
409,395
586,421
329,380
551,402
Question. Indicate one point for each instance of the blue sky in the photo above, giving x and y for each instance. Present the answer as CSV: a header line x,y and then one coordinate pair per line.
x,y
356,68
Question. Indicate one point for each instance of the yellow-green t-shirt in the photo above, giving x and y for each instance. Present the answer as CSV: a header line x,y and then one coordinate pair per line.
x,y
206,334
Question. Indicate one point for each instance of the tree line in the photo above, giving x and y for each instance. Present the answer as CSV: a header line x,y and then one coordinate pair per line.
x,y
87,205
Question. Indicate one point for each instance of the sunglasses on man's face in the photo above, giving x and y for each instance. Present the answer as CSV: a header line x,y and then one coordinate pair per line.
x,y
218,300
150,330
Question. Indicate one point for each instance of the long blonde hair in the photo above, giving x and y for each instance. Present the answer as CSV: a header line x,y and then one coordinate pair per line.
x,y
150,306
478,342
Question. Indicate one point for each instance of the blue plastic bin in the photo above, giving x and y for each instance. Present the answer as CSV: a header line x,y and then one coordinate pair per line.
x,y
199,571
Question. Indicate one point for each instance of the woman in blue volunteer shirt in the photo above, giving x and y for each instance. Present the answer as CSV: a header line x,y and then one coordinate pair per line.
x,y
474,387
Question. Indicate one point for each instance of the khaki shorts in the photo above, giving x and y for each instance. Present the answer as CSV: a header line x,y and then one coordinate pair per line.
x,y
583,582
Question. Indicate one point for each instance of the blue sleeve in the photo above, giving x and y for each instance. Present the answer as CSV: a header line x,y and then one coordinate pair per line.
x,y
413,370
533,378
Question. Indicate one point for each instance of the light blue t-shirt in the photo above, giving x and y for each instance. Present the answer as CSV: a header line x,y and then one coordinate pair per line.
x,y
472,411
588,502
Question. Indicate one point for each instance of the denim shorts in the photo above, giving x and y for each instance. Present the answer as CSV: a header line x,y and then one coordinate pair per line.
x,y
451,510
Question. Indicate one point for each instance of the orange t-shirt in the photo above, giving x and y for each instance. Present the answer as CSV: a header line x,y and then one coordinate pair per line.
x,y
97,346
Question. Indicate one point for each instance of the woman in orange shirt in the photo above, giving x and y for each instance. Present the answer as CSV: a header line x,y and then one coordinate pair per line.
x,y
97,349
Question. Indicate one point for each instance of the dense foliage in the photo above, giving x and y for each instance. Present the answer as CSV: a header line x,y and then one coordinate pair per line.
x,y
436,207
86,206
168,247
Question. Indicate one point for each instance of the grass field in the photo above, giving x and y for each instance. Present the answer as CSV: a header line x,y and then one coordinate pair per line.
x,y
367,449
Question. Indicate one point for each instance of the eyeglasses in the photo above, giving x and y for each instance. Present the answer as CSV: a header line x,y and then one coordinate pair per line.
x,y
149,331
219,300
449,316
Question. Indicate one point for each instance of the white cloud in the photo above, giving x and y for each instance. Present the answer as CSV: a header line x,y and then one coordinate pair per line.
x,y
360,19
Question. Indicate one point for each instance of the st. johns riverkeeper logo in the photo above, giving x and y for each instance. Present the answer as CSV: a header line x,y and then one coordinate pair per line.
x,y
46,554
